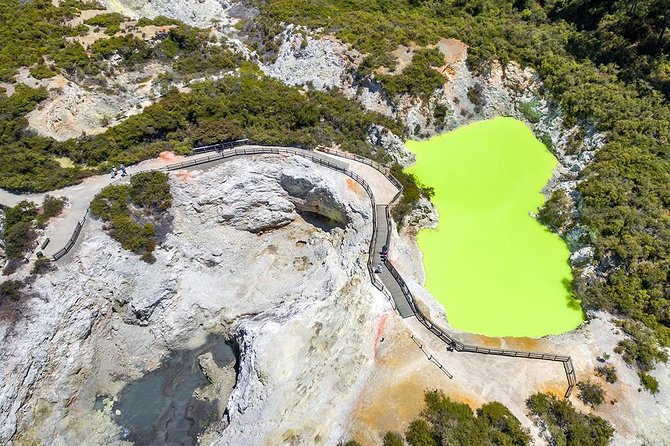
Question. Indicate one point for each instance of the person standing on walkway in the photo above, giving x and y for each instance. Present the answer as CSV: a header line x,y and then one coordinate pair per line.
x,y
123,170
113,172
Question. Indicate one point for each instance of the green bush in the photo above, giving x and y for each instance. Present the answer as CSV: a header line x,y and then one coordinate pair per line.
x,y
530,111
42,71
412,192
41,266
447,422
52,206
393,439
110,21
566,425
556,212
648,382
10,290
641,349
130,211
419,78
590,393
31,30
607,372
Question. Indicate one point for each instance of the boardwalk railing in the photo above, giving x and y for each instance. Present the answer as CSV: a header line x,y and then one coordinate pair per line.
x,y
73,239
220,146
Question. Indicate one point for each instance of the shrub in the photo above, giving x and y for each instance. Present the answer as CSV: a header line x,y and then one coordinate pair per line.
x,y
51,207
41,266
530,111
150,190
419,78
607,372
447,422
642,349
42,71
10,289
110,21
412,192
131,210
393,439
566,425
557,211
648,382
19,238
591,394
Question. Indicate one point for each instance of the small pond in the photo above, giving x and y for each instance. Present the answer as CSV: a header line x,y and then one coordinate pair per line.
x,y
158,408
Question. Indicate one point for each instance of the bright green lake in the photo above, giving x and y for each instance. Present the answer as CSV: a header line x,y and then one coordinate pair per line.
x,y
496,270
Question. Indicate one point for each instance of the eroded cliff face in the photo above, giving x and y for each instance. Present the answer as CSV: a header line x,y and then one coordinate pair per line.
x,y
241,261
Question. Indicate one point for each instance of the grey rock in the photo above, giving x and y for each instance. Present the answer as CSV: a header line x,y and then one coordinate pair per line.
x,y
391,144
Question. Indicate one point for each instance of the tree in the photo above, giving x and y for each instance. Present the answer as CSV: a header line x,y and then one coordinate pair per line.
x,y
393,439
419,434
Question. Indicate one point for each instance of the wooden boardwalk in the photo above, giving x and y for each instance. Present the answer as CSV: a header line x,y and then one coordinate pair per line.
x,y
381,239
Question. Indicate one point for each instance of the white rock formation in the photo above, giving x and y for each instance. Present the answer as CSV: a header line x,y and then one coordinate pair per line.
x,y
239,260
200,13
305,60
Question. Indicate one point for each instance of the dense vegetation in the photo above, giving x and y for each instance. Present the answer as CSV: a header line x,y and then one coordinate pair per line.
x,y
132,212
18,235
606,64
419,78
567,426
447,422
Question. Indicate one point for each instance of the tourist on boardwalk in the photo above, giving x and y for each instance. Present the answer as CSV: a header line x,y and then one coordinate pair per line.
x,y
122,168
113,172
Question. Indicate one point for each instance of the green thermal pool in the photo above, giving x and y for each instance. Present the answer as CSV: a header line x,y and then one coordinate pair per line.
x,y
496,270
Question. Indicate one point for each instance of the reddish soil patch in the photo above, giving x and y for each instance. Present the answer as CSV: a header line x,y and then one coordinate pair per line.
x,y
167,156
184,176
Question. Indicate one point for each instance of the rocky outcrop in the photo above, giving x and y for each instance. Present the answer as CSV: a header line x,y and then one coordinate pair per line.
x,y
390,144
295,298
319,63
73,109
